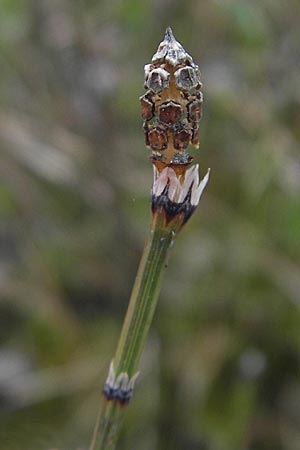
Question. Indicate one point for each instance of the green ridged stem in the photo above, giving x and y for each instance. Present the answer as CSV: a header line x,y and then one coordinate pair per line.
x,y
137,322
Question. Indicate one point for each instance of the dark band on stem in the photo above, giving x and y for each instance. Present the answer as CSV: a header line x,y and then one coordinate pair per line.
x,y
173,209
118,388
118,395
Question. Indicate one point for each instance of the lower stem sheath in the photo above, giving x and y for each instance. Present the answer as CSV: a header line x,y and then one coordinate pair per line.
x,y
136,326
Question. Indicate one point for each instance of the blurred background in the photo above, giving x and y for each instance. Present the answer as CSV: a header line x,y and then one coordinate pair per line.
x,y
221,367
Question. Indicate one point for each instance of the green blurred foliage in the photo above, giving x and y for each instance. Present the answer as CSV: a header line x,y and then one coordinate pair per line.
x,y
221,367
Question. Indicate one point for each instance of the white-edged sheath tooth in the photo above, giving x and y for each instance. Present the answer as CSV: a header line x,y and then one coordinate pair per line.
x,y
111,375
189,179
196,194
161,182
174,186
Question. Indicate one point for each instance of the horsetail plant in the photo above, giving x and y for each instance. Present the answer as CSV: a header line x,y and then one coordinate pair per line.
x,y
171,110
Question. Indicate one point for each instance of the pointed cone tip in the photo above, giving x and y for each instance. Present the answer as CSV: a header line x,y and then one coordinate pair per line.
x,y
169,34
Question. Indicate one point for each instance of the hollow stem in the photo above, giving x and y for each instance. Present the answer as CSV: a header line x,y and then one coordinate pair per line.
x,y
136,325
